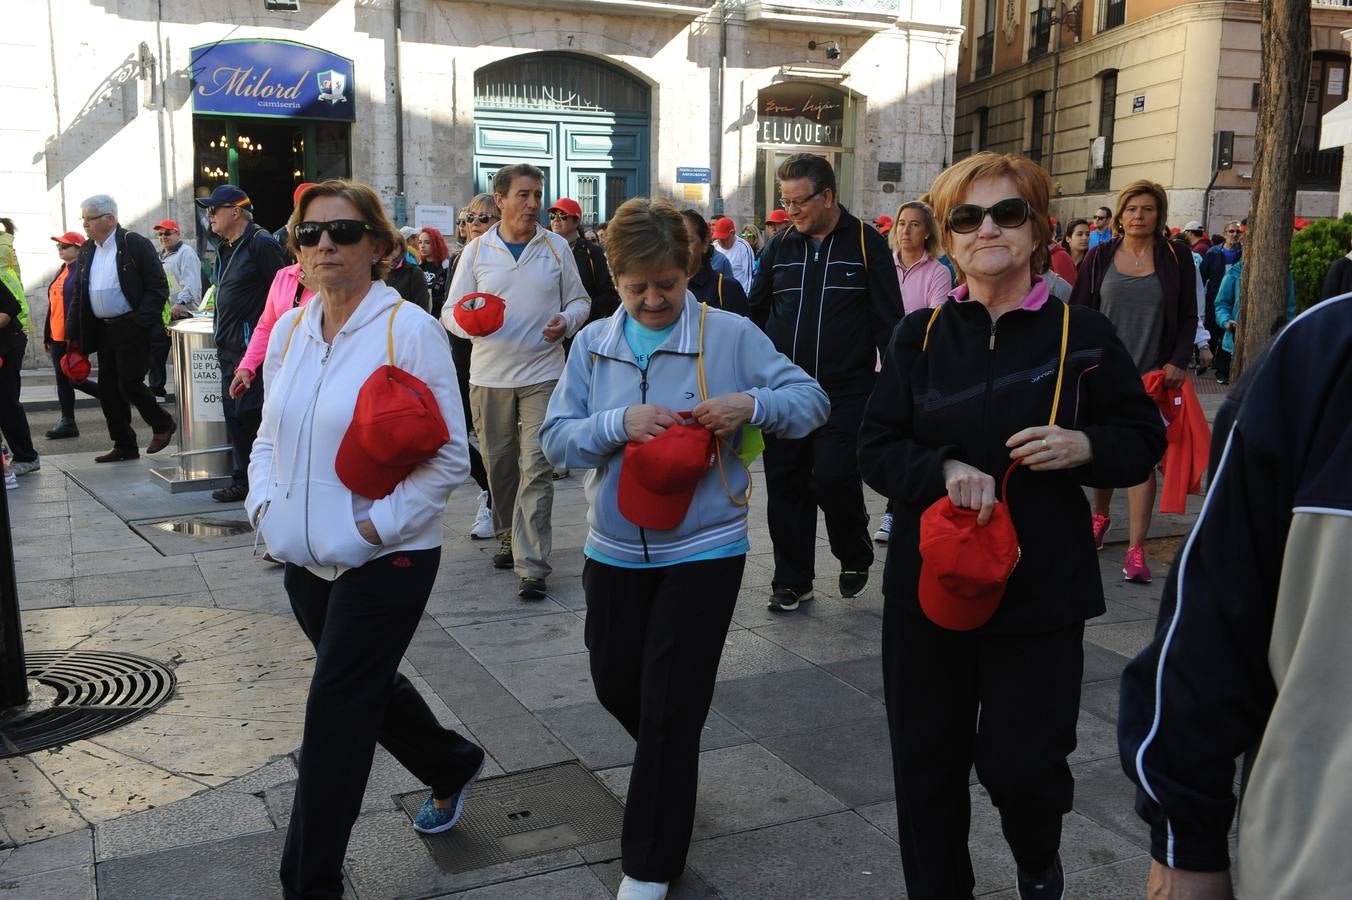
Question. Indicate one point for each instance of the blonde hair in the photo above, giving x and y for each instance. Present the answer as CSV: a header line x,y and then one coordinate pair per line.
x,y
932,248
1034,187
369,208
644,234
1157,193
481,203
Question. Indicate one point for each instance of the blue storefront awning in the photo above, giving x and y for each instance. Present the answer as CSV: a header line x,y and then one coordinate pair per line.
x,y
278,79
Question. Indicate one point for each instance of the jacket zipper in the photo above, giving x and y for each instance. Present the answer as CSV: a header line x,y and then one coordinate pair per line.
x,y
990,386
643,395
310,444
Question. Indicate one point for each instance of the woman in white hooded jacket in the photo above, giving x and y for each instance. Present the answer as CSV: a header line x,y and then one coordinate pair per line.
x,y
358,570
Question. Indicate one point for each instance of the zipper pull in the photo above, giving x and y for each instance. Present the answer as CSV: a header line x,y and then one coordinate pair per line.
x,y
329,348
992,346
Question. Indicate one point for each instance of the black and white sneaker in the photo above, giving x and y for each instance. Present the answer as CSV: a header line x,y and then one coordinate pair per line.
x,y
884,532
1049,884
785,599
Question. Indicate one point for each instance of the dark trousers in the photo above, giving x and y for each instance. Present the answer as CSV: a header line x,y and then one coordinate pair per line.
x,y
243,415
159,354
462,351
1223,359
655,637
360,625
1007,703
65,388
802,474
123,348
13,420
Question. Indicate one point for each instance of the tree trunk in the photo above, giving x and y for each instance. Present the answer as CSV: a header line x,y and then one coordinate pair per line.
x,y
1281,107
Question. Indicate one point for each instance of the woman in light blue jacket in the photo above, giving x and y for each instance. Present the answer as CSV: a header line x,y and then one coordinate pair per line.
x,y
659,600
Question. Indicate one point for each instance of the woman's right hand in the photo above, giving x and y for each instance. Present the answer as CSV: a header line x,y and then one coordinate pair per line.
x,y
970,488
645,421
241,382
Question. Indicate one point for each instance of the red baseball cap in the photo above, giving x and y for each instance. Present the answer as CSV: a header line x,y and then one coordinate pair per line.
x,y
723,227
75,366
300,189
396,425
73,238
480,314
167,225
568,206
777,215
883,224
658,478
964,566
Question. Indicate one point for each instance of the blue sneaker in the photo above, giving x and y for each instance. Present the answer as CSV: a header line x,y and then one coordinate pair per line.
x,y
432,820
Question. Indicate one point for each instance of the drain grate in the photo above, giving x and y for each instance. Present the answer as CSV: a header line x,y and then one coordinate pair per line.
x,y
526,814
198,526
83,693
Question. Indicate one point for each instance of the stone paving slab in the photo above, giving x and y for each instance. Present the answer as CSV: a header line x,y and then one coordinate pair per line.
x,y
688,887
600,742
852,761
784,702
206,817
73,883
241,868
566,884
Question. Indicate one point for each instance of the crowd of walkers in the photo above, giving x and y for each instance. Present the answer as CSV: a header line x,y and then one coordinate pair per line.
x,y
964,357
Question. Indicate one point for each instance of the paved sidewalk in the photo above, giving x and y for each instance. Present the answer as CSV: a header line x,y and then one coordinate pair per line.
x,y
191,801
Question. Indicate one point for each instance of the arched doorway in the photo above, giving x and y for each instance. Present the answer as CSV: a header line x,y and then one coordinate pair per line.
x,y
583,121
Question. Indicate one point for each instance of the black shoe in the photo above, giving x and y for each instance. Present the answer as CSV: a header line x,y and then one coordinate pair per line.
x,y
532,589
66,428
1049,884
232,494
118,455
785,599
852,583
503,558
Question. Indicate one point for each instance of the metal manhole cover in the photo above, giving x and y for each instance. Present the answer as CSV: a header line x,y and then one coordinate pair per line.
x,y
81,693
522,815
198,526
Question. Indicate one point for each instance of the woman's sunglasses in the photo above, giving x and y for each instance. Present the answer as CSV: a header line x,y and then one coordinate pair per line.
x,y
478,218
558,214
341,231
967,217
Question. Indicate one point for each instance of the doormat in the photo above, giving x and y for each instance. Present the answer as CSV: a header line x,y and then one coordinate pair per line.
x,y
522,815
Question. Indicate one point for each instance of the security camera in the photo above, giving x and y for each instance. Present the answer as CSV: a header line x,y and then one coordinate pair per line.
x,y
832,48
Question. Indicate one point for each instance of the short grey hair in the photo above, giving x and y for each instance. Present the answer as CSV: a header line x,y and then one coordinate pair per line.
x,y
101,204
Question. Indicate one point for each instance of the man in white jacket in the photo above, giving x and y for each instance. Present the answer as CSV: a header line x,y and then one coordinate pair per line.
x,y
735,249
514,369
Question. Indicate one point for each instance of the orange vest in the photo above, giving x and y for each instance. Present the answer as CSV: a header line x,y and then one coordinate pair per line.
x,y
56,306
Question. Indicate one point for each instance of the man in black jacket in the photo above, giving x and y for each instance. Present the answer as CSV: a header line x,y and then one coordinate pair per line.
x,y
827,296
247,259
120,294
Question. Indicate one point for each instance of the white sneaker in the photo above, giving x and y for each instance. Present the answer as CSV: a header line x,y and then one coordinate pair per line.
x,y
884,532
483,520
633,889
11,482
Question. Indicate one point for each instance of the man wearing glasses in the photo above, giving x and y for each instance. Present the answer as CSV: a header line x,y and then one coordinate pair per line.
x,y
827,296
247,259
120,294
1102,230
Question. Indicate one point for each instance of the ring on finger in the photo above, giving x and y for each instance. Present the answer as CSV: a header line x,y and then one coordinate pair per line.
x,y
1045,445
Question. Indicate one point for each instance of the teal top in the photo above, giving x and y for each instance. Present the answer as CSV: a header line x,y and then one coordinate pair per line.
x,y
643,341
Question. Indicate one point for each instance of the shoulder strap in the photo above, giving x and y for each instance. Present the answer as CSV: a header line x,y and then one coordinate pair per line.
x,y
703,385
389,337
720,290
930,324
862,248
1061,364
295,323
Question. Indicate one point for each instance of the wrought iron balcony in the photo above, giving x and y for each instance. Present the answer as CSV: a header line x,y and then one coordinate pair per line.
x,y
1100,176
985,54
1319,169
1040,27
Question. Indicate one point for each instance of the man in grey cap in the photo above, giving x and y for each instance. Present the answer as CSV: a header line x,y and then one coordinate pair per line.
x,y
247,258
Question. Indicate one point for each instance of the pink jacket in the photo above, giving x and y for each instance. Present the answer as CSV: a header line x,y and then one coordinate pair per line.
x,y
281,297
924,285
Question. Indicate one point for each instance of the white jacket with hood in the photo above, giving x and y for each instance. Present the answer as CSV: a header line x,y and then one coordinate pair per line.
x,y
303,511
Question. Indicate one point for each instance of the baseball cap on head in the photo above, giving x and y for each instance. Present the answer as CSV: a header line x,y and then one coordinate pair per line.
x,y
166,225
300,189
1194,225
658,478
883,224
568,206
723,228
73,238
226,195
777,215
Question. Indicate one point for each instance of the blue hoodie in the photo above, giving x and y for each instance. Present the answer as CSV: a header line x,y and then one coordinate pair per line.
x,y
584,427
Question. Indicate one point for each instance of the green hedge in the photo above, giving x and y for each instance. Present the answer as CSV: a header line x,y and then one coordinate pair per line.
x,y
1313,249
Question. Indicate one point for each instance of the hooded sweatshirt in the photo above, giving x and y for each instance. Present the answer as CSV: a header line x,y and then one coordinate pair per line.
x,y
303,511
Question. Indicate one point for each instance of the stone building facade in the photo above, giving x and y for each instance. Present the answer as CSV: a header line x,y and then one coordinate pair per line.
x,y
155,102
1103,92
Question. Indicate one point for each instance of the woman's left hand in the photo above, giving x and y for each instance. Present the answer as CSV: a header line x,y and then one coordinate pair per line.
x,y
368,532
1048,448
726,414
1174,376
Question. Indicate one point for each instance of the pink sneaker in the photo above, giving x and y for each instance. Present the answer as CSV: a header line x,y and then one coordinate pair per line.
x,y
1134,568
1101,524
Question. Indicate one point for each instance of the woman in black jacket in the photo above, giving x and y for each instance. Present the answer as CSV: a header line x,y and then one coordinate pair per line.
x,y
966,394
708,286
407,278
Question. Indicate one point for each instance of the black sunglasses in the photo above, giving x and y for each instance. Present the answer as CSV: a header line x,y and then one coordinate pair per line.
x,y
341,231
479,218
556,215
967,217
